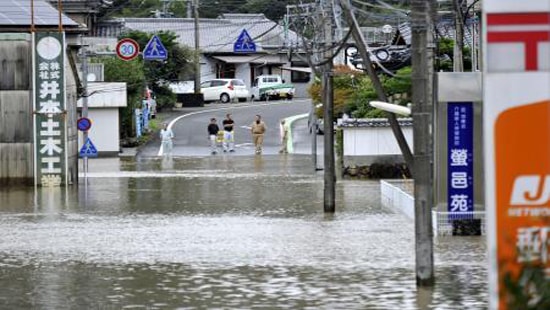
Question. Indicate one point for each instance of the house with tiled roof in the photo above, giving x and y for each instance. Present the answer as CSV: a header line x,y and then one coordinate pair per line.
x,y
84,12
216,44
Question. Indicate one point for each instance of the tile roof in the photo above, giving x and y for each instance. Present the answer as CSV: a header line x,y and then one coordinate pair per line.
x,y
18,13
217,35
373,122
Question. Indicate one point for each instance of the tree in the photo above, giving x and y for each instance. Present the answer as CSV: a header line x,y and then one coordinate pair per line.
x,y
353,90
158,74
274,10
131,72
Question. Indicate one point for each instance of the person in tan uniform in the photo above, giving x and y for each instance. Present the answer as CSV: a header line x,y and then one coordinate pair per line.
x,y
284,138
258,129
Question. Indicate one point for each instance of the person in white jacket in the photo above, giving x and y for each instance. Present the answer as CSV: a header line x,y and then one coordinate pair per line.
x,y
166,136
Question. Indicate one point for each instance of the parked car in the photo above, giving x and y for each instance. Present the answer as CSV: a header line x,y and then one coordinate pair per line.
x,y
224,90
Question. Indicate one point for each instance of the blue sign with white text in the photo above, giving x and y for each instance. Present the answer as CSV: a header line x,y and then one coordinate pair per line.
x,y
460,160
154,50
244,43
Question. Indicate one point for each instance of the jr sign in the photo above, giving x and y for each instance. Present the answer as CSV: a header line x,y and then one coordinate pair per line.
x,y
517,151
49,106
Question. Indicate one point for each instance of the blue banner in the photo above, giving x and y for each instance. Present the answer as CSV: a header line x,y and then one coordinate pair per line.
x,y
460,160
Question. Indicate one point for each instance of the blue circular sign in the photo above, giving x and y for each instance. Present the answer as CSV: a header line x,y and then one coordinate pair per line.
x,y
84,124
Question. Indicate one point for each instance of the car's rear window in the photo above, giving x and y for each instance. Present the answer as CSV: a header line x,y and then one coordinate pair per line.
x,y
270,80
237,82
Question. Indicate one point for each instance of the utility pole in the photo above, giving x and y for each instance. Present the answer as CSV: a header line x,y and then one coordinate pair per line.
x,y
197,48
458,57
422,97
84,68
189,10
367,64
328,113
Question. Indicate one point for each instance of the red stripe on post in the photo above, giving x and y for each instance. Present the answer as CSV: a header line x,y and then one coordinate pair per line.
x,y
518,19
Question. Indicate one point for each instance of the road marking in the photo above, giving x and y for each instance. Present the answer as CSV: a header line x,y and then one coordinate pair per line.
x,y
160,152
244,145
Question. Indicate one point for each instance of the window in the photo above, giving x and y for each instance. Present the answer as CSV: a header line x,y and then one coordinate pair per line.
x,y
237,82
227,71
216,83
270,80
299,76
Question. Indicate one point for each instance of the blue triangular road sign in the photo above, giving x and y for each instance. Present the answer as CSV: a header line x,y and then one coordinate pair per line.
x,y
154,50
244,43
88,149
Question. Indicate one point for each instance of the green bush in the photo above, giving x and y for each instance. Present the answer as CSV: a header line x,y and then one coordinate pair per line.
x,y
353,90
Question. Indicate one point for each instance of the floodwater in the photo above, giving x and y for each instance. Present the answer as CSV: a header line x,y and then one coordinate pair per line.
x,y
221,233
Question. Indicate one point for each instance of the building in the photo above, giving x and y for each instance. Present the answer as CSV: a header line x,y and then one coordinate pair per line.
x,y
84,12
20,145
104,101
216,43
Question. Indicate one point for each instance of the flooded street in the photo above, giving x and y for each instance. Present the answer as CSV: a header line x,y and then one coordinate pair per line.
x,y
225,232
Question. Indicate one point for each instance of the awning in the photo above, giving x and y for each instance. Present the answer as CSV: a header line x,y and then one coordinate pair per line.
x,y
254,59
299,69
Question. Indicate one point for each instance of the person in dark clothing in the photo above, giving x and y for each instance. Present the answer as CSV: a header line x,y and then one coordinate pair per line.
x,y
228,134
212,133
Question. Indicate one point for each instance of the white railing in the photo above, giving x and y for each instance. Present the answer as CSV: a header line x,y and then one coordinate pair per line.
x,y
398,195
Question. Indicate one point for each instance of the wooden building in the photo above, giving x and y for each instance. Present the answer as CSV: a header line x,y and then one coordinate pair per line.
x,y
17,147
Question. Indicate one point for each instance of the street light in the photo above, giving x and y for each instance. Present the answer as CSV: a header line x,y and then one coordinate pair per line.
x,y
391,107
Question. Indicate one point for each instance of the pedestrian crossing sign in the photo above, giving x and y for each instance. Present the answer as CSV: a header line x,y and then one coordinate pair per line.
x,y
244,43
88,149
154,50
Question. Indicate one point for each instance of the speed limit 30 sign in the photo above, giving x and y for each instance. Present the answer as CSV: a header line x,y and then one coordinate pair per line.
x,y
127,49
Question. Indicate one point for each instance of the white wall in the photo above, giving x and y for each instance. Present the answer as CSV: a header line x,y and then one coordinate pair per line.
x,y
242,71
364,141
104,132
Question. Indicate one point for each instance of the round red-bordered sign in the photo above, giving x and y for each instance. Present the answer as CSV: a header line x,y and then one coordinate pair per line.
x,y
127,49
83,124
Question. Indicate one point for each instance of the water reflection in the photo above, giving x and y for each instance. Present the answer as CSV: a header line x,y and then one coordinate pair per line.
x,y
203,233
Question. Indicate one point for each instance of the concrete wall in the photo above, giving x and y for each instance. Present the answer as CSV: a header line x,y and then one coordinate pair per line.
x,y
105,122
103,111
373,141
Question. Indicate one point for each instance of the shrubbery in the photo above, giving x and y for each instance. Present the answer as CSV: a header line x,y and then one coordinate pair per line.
x,y
353,90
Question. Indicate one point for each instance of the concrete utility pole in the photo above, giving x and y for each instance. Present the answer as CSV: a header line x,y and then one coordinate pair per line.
x,y
85,99
458,57
197,48
362,48
189,10
328,114
422,98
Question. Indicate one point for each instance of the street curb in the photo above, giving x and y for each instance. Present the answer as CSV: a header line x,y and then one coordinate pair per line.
x,y
289,121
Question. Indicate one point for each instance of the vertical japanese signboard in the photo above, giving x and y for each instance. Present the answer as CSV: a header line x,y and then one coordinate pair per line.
x,y
460,166
49,106
517,150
